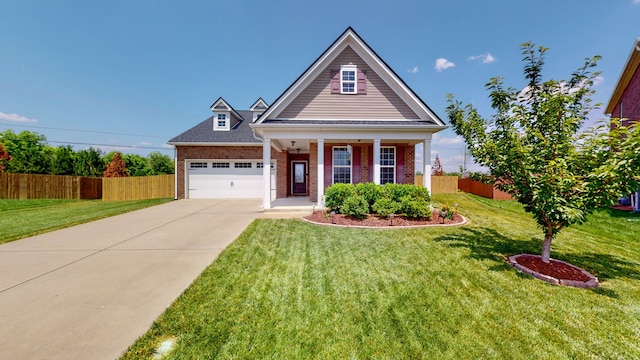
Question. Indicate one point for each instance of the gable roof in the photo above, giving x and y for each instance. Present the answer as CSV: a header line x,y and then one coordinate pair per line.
x,y
633,61
350,38
203,133
260,104
222,105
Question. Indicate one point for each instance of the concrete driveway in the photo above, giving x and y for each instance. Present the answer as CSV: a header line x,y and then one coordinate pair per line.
x,y
87,292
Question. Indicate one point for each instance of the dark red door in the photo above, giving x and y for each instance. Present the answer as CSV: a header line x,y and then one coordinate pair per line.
x,y
299,177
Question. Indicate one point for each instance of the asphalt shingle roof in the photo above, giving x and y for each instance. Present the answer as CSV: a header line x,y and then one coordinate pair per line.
x,y
203,132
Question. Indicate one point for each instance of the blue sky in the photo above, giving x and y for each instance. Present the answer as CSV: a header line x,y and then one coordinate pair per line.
x,y
133,74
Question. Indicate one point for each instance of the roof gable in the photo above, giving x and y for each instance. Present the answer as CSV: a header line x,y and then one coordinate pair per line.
x,y
349,41
222,105
259,105
630,68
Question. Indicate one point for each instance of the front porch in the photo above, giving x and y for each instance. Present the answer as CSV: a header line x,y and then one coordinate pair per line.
x,y
293,204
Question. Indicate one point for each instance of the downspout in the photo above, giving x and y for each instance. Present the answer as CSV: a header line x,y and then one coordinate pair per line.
x,y
175,171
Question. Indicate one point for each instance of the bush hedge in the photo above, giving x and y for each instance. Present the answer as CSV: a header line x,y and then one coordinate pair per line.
x,y
410,200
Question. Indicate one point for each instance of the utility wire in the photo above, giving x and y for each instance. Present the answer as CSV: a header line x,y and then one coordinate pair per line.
x,y
110,145
85,131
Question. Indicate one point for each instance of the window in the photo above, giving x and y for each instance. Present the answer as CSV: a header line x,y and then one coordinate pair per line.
x,y
387,164
198,165
222,120
220,165
348,78
242,165
341,165
260,165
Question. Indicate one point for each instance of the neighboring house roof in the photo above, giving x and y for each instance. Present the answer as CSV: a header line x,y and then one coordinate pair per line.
x,y
350,39
630,68
203,133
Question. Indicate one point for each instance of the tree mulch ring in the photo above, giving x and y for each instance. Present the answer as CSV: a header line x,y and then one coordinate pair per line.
x,y
555,272
374,221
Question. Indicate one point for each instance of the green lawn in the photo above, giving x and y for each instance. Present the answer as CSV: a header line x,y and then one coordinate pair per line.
x,y
291,290
22,218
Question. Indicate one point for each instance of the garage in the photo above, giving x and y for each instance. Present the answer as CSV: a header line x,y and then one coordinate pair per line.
x,y
226,179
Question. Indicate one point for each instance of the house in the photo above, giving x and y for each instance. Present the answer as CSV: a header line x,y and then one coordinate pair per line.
x,y
625,101
348,118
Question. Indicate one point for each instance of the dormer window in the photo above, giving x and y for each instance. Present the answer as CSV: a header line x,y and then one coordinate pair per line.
x,y
348,79
222,120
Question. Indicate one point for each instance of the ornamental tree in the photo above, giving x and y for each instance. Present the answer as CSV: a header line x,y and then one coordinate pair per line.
x,y
533,147
437,167
116,167
5,157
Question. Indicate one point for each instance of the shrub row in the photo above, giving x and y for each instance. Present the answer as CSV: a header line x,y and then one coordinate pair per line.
x,y
360,200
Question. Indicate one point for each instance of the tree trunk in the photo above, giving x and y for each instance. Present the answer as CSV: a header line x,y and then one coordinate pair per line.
x,y
546,246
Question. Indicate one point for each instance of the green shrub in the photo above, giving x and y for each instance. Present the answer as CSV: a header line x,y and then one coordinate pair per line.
x,y
398,191
336,194
371,192
414,208
385,207
356,206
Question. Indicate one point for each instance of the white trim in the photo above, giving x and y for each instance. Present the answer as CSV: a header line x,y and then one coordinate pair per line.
x,y
226,121
333,164
320,171
213,144
266,174
376,161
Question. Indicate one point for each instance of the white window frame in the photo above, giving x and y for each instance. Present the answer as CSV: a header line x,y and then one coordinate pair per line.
x,y
349,68
387,166
334,166
221,120
198,165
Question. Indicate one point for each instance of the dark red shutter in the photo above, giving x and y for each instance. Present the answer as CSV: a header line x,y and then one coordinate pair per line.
x,y
400,178
328,168
362,82
335,82
355,162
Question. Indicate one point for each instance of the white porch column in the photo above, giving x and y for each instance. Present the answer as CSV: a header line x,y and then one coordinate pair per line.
x,y
266,173
426,157
376,161
320,179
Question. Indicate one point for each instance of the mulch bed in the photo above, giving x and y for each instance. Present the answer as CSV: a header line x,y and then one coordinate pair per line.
x,y
556,272
321,217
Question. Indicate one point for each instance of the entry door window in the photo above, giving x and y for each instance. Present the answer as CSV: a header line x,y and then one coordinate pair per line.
x,y
341,165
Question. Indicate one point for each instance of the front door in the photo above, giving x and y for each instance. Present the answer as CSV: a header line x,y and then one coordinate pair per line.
x,y
299,180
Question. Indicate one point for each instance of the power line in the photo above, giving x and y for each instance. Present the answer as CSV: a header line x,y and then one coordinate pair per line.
x,y
110,145
85,131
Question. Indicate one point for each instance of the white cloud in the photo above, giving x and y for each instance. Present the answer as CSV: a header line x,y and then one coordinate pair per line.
x,y
636,2
484,58
440,140
16,118
413,70
443,64
600,79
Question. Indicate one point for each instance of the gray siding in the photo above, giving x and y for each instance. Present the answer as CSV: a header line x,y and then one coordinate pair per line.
x,y
317,102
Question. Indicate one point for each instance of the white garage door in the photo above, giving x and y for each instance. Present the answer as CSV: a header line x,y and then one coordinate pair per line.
x,y
227,179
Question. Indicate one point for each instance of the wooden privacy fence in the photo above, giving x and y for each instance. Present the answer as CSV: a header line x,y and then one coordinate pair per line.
x,y
37,186
481,189
441,184
138,187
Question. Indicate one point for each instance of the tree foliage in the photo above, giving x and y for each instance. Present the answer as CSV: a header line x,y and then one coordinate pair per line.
x,y
88,162
533,147
160,164
27,149
5,157
62,160
116,167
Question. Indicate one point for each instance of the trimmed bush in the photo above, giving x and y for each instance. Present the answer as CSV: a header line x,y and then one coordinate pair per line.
x,y
371,192
415,208
356,206
398,191
336,194
385,207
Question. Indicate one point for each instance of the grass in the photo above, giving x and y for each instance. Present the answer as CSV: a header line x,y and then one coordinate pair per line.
x,y
291,290
23,218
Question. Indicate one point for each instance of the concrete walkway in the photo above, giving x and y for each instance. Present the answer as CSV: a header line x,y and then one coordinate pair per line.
x,y
89,291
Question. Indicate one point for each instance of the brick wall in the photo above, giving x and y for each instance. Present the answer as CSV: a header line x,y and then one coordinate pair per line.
x,y
630,100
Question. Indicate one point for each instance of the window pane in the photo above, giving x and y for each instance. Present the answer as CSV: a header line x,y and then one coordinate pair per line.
x,y
342,175
386,175
348,75
341,157
348,88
